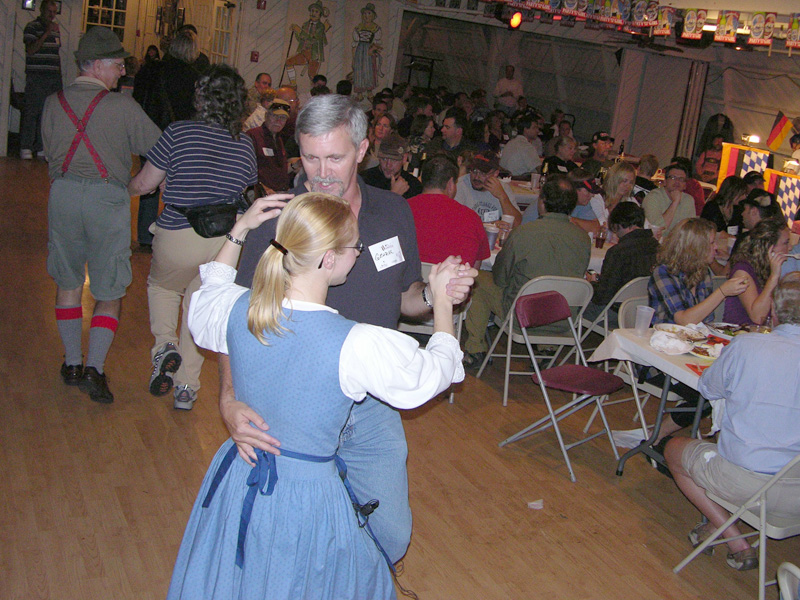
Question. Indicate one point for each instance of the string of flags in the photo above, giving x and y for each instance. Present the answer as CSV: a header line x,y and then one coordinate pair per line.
x,y
648,16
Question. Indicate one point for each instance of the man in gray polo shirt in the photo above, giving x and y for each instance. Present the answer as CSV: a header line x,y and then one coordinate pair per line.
x,y
89,135
42,39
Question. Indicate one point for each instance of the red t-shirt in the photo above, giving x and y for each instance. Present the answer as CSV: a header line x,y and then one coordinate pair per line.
x,y
445,227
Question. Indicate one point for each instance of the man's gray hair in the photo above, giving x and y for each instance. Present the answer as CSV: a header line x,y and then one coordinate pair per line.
x,y
786,299
323,114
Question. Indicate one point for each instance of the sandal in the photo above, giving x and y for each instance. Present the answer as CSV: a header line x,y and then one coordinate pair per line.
x,y
743,560
700,534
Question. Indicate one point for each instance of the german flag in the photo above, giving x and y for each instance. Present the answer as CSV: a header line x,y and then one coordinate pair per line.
x,y
780,129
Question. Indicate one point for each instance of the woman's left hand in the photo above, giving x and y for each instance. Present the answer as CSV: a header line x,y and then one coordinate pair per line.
x,y
262,209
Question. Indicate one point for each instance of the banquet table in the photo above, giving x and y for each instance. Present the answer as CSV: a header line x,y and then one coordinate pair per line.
x,y
524,194
624,344
595,260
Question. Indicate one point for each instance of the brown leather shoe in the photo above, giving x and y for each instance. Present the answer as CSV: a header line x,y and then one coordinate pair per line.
x,y
71,374
96,385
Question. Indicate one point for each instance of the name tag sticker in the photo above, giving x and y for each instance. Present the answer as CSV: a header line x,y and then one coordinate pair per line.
x,y
387,253
268,151
490,216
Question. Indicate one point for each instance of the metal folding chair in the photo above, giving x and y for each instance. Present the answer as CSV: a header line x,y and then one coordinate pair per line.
x,y
754,513
588,386
578,293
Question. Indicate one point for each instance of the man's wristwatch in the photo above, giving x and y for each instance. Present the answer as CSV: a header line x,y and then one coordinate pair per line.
x,y
425,296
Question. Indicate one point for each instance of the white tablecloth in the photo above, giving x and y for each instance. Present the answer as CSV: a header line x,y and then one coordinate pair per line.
x,y
624,344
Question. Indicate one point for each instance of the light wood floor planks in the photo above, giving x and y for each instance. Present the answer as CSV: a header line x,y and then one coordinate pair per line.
x,y
95,498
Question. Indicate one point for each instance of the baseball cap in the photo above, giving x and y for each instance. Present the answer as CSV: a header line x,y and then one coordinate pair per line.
x,y
485,161
393,147
279,107
602,136
582,179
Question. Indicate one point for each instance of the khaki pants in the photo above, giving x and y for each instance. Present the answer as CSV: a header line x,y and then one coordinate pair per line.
x,y
174,276
487,298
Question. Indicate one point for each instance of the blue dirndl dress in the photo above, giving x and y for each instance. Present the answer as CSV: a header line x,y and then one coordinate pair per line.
x,y
285,529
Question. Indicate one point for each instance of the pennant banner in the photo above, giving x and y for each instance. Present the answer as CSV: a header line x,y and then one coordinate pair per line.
x,y
727,24
666,18
740,160
786,189
762,25
574,8
694,19
793,31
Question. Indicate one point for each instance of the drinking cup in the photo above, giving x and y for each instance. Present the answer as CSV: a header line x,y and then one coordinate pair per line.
x,y
644,314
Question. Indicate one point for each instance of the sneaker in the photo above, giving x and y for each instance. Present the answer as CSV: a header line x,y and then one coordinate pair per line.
x,y
743,560
628,439
700,534
71,374
96,385
41,154
165,363
185,397
26,154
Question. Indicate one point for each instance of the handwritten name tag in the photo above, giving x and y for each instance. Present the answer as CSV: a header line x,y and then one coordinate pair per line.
x,y
268,151
387,253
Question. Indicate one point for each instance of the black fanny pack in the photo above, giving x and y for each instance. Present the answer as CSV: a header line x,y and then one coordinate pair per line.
x,y
214,220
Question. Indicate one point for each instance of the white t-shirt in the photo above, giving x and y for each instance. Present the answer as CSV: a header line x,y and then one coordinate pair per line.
x,y
520,156
482,202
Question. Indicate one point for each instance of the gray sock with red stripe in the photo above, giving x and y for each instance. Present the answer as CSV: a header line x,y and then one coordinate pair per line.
x,y
101,334
69,320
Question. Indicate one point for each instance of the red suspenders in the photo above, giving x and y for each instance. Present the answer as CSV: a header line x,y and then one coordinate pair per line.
x,y
80,126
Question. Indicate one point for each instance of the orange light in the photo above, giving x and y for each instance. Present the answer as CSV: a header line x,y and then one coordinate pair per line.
x,y
516,19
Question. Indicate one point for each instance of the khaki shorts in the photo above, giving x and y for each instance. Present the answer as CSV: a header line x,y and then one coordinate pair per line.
x,y
89,223
736,484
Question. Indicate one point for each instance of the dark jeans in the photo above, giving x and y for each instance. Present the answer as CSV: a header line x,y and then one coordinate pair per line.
x,y
37,88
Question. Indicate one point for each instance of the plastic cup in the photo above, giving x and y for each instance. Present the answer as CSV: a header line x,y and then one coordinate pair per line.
x,y
492,231
644,314
600,239
535,180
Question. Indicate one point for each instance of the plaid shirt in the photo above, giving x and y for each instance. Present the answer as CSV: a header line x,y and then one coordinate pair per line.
x,y
669,294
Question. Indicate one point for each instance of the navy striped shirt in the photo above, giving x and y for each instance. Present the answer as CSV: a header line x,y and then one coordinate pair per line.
x,y
204,165
46,60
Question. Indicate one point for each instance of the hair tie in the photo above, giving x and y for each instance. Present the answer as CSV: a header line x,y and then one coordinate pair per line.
x,y
282,250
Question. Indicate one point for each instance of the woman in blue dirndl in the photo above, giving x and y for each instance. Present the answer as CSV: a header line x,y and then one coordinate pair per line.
x,y
290,527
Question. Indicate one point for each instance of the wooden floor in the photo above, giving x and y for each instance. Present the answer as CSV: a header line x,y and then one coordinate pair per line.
x,y
95,498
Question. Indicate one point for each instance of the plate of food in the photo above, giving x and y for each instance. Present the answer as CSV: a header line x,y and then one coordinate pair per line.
x,y
681,332
729,330
706,351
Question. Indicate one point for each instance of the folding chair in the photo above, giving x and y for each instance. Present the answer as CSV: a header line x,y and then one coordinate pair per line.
x,y
627,320
788,580
588,386
578,293
635,288
426,327
754,513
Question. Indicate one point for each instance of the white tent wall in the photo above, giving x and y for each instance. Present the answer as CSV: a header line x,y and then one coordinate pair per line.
x,y
751,87
578,77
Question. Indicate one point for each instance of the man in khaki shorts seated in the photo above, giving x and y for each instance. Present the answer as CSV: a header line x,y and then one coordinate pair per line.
x,y
757,375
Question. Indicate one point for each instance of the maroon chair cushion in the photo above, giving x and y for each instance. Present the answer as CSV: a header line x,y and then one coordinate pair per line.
x,y
578,379
543,308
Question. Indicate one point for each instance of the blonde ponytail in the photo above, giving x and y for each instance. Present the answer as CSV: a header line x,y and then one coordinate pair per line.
x,y
310,225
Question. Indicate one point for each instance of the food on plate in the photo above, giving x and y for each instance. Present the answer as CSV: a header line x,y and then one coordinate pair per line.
x,y
681,332
729,330
705,350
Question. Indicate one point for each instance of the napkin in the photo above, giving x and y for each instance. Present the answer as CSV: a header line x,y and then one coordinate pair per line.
x,y
669,344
